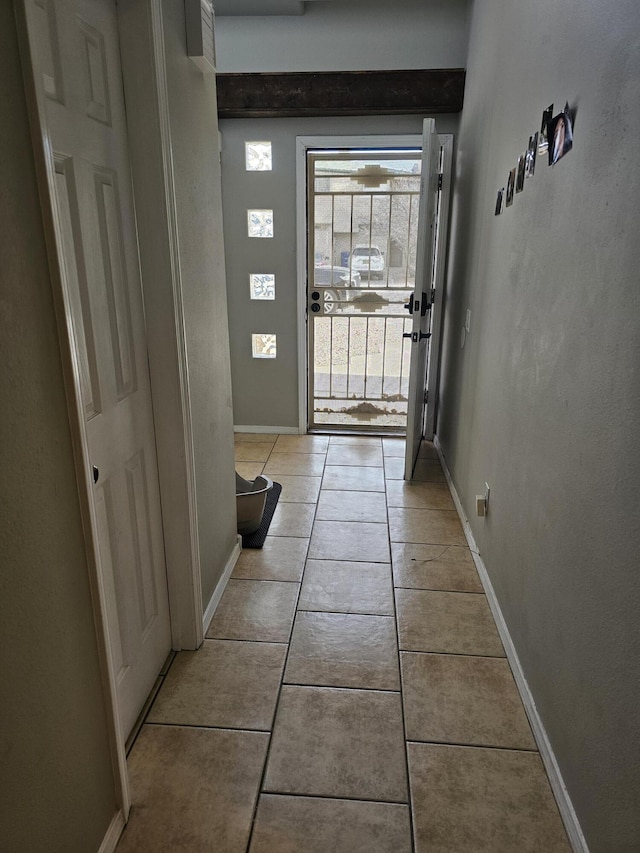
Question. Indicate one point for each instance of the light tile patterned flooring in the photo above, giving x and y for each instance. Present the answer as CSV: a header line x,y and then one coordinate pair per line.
x,y
352,695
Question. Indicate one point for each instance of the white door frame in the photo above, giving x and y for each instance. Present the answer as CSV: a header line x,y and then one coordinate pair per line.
x,y
441,254
303,143
142,49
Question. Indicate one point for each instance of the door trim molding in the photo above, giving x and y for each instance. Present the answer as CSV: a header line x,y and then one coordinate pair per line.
x,y
303,143
549,760
442,253
144,74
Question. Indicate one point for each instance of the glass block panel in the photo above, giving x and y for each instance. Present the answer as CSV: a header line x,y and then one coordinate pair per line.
x,y
263,285
258,156
263,346
260,223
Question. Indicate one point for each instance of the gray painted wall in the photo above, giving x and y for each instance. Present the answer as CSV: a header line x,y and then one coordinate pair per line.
x,y
265,391
57,790
194,133
543,402
329,36
348,36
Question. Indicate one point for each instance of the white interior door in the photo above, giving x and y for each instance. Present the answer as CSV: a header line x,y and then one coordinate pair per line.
x,y
421,299
75,46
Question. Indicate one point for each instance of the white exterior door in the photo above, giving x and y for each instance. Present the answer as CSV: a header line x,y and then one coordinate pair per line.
x,y
421,299
75,45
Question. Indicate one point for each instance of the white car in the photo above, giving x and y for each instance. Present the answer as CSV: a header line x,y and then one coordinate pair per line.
x,y
368,261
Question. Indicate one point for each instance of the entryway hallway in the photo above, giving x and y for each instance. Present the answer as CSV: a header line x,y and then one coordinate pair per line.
x,y
352,692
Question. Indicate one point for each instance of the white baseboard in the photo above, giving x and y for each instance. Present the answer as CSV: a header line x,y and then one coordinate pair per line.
x,y
220,586
284,430
110,841
565,806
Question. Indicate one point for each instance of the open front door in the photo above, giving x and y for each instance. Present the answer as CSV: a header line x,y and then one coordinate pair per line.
x,y
420,305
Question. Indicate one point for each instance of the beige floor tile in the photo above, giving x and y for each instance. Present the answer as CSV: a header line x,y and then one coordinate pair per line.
x,y
355,454
311,464
302,444
317,825
249,470
292,520
428,451
446,567
190,786
338,743
416,495
428,471
256,436
335,505
226,684
393,447
255,610
359,440
281,558
394,467
350,540
344,587
353,478
343,650
482,800
299,489
252,451
463,700
454,622
428,526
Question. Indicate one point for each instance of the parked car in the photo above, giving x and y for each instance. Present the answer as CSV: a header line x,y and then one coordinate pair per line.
x,y
368,261
336,282
325,276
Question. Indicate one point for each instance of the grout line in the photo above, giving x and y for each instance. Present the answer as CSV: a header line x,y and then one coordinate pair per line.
x,y
328,797
402,706
279,693
207,727
451,654
462,745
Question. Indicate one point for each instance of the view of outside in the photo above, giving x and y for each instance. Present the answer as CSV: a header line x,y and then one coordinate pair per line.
x,y
363,210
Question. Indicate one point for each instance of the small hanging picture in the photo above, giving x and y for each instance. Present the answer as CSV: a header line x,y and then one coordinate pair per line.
x,y
530,165
510,187
499,199
543,140
560,134
522,160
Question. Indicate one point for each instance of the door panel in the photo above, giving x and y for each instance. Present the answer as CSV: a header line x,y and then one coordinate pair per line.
x,y
76,45
422,294
363,223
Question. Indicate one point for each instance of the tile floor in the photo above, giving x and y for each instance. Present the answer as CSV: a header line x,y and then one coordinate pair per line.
x,y
352,693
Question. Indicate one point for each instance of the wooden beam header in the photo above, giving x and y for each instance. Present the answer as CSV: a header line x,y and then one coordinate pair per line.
x,y
335,93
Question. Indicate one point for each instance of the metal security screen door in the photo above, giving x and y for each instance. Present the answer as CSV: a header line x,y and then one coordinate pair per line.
x,y
362,211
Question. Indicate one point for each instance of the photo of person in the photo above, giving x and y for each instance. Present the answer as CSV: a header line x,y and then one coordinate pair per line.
x,y
498,210
522,159
530,165
510,186
560,132
543,141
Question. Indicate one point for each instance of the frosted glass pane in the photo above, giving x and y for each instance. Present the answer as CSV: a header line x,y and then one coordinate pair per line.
x,y
258,156
263,346
260,223
263,285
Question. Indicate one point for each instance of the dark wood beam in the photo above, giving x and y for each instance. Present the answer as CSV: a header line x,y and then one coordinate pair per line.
x,y
335,93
